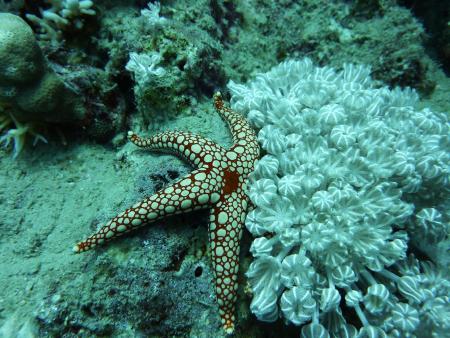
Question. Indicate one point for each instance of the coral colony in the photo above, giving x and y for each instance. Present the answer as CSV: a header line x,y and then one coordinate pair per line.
x,y
348,180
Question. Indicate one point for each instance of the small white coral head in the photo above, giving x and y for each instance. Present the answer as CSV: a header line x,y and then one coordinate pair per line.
x,y
297,305
316,236
342,137
409,287
246,98
354,101
371,331
343,276
322,200
314,93
353,298
289,237
402,163
293,139
54,18
329,299
256,118
392,252
253,223
279,216
282,113
262,192
356,74
264,305
75,8
289,161
315,330
267,167
430,123
429,222
152,14
144,67
261,247
337,253
264,273
289,186
311,177
331,114
272,139
297,270
376,298
429,167
405,317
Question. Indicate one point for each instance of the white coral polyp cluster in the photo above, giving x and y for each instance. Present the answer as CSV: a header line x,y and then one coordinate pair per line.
x,y
337,196
61,15
145,68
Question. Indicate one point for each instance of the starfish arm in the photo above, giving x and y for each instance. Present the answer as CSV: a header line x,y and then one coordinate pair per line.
x,y
193,148
225,231
199,190
242,132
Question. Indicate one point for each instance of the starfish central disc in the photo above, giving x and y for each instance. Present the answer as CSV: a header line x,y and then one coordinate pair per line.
x,y
231,181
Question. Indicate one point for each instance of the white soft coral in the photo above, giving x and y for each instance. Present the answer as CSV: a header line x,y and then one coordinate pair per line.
x,y
17,136
338,184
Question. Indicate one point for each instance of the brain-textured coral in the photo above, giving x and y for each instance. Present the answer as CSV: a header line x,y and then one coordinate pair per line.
x,y
30,91
352,173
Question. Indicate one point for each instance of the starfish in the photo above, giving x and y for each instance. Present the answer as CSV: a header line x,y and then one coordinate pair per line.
x,y
218,184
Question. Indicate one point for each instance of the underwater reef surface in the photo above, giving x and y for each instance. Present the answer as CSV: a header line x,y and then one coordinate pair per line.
x,y
76,75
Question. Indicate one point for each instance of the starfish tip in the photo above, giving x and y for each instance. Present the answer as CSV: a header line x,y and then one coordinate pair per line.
x,y
229,330
218,101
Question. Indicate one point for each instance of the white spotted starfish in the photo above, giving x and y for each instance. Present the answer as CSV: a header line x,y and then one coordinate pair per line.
x,y
218,184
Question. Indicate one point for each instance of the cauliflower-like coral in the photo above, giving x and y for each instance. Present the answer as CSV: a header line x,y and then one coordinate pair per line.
x,y
145,67
351,173
152,14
